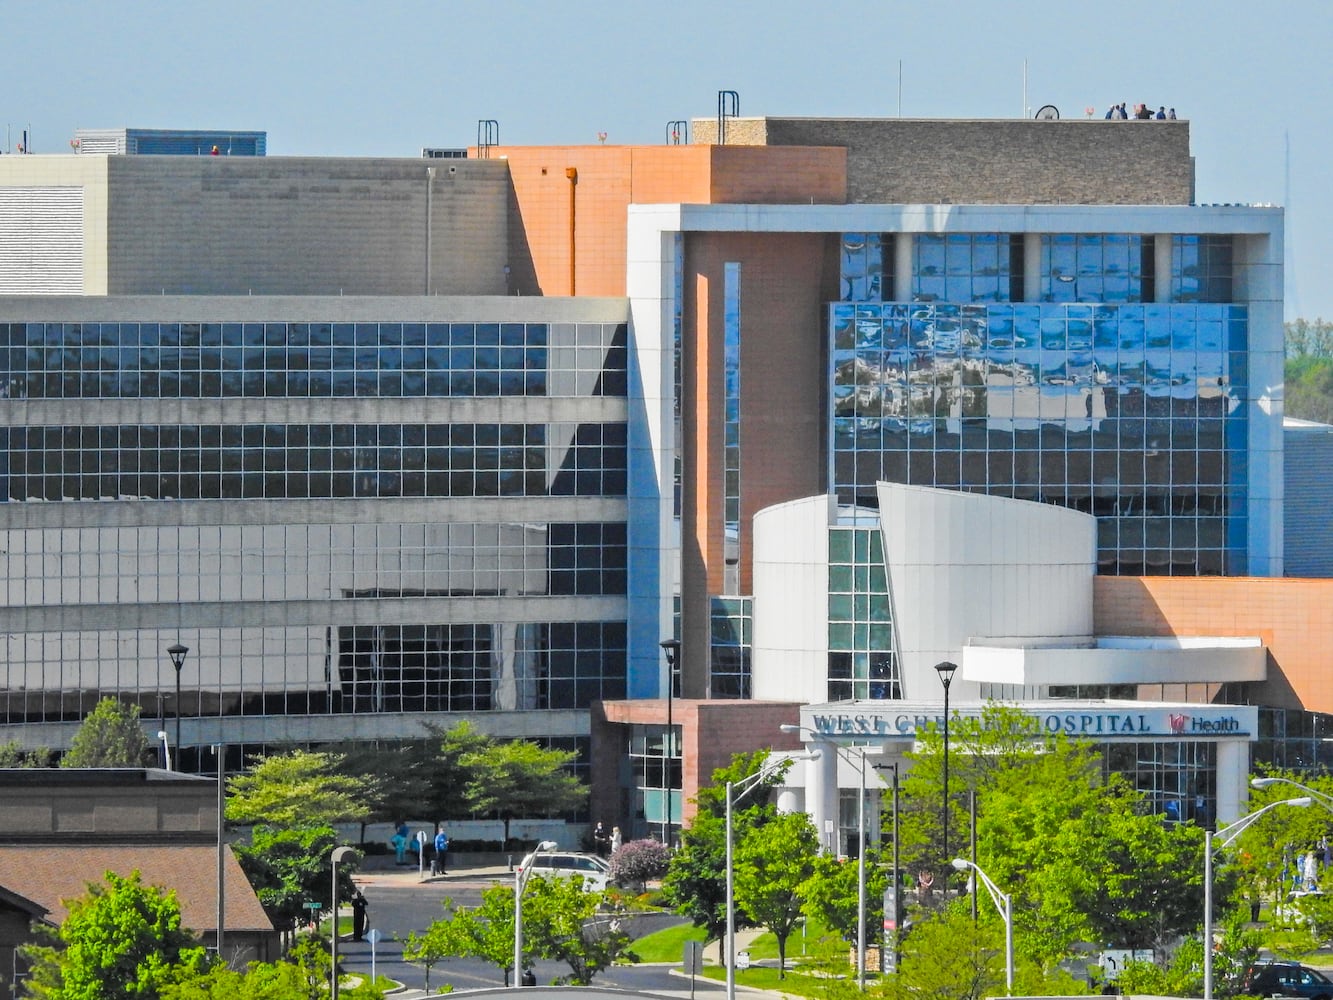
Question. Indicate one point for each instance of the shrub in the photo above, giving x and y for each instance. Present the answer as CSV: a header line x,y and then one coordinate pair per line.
x,y
638,861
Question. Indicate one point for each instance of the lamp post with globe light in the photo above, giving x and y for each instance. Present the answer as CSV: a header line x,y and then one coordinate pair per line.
x,y
177,653
946,671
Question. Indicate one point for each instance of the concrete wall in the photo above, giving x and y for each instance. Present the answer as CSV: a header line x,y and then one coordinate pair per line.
x,y
993,161
305,226
791,584
963,565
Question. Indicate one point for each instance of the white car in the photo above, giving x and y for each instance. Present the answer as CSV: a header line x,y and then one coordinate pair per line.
x,y
595,872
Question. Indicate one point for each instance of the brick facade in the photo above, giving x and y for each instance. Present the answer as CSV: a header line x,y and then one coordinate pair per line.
x,y
1293,617
711,733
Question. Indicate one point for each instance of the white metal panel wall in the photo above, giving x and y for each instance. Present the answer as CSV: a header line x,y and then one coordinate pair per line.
x,y
790,660
41,240
966,565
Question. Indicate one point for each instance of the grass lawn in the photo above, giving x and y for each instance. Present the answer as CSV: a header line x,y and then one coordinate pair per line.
x,y
814,946
669,945
795,983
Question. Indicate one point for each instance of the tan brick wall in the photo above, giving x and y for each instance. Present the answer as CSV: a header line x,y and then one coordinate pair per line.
x,y
1294,617
756,175
991,161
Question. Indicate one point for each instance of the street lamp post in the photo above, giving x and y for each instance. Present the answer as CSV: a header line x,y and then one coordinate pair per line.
x,y
222,870
1225,835
1322,798
339,855
671,647
897,903
860,860
1005,904
521,877
736,790
946,672
177,653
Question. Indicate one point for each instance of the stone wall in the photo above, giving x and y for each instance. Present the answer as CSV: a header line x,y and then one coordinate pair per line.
x,y
990,161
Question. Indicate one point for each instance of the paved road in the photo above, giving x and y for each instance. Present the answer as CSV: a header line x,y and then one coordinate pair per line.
x,y
400,903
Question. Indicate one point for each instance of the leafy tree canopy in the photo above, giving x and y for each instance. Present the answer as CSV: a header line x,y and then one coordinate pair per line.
x,y
519,779
695,882
12,754
288,866
110,736
561,921
299,787
121,941
772,863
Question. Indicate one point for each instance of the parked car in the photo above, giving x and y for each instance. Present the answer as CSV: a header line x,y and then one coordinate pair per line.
x,y
595,872
1288,979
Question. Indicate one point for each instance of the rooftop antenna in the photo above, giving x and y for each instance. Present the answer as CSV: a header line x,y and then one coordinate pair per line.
x,y
900,88
1025,88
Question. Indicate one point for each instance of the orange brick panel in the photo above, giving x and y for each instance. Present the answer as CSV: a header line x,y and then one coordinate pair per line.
x,y
1294,618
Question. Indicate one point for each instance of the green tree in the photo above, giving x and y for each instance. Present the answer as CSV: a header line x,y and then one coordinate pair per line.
x,y
13,754
1309,339
446,771
110,736
396,780
981,750
1138,881
437,942
1082,853
484,931
304,973
948,957
122,939
771,865
561,922
831,896
695,882
299,787
519,779
289,866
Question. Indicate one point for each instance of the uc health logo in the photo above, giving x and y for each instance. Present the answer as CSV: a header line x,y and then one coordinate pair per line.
x,y
1177,722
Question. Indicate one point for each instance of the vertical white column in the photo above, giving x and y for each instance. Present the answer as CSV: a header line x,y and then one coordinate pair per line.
x,y
1032,267
1233,764
902,267
821,793
1162,244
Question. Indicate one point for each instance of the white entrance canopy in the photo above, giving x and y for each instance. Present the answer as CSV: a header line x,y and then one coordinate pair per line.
x,y
1034,662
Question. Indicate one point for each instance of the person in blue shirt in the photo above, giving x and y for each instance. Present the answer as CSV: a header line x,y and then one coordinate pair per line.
x,y
441,848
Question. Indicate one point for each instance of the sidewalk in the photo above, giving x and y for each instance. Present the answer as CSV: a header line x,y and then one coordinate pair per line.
x,y
394,875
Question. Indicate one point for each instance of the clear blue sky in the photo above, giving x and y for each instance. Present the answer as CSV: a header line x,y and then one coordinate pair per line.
x,y
386,78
